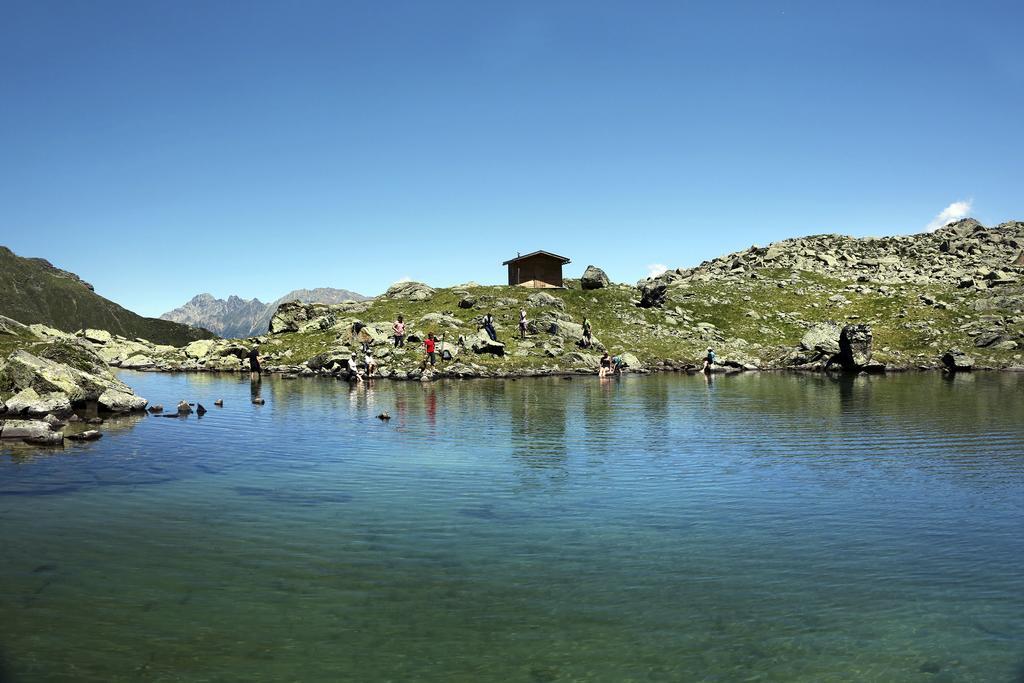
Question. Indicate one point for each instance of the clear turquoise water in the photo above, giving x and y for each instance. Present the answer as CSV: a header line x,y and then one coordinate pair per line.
x,y
761,528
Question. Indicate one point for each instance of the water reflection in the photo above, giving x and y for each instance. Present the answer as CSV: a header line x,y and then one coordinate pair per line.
x,y
787,527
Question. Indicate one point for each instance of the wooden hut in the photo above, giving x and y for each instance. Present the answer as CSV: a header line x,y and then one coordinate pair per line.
x,y
538,269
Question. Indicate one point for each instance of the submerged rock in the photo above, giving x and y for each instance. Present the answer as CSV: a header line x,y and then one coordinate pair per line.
x,y
87,435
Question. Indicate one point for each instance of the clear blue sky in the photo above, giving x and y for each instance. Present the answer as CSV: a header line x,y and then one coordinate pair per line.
x,y
162,149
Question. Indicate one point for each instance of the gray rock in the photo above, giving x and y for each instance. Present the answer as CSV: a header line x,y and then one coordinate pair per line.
x,y
823,338
956,360
545,300
467,301
29,402
484,344
184,408
87,435
25,429
855,346
117,401
653,294
413,291
594,278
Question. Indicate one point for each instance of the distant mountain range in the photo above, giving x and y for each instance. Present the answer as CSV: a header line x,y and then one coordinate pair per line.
x,y
33,290
235,317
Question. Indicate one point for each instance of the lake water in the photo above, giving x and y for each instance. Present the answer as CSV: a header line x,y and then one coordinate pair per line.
x,y
758,528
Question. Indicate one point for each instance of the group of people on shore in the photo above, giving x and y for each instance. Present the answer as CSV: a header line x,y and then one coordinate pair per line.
x,y
608,365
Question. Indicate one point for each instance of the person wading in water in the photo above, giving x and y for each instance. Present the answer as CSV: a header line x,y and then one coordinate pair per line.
x,y
254,364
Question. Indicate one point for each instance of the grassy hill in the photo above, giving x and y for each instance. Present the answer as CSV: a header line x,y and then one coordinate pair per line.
x,y
34,291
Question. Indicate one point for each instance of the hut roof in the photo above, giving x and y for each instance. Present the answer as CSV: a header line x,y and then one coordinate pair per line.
x,y
563,259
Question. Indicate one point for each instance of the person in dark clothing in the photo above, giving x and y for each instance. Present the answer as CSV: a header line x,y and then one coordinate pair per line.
x,y
488,325
254,363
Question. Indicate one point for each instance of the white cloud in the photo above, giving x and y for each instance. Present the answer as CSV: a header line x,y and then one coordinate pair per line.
x,y
656,269
953,212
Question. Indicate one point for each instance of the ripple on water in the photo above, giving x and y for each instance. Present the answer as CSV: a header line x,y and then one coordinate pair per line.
x,y
660,528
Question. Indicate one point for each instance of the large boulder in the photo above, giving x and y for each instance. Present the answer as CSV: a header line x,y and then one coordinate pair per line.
x,y
484,344
822,338
25,429
956,360
66,368
295,316
200,348
594,278
653,293
12,327
855,346
29,402
117,401
98,336
413,291
545,300
580,359
438,320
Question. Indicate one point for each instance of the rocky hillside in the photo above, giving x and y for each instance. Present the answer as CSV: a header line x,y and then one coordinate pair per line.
x,y
34,291
236,317
952,299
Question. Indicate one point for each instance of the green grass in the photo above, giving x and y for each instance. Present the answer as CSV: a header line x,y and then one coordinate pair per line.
x,y
898,321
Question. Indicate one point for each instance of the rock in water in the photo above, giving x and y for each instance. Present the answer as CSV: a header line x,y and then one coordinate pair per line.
x,y
219,403
258,401
200,410
384,416
594,278
956,360
184,408
88,435
24,429
855,346
156,409
47,439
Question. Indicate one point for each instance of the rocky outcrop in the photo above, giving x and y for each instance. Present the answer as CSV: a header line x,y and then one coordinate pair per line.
x,y
594,278
822,339
237,318
956,360
34,431
413,291
484,344
60,375
855,343
653,293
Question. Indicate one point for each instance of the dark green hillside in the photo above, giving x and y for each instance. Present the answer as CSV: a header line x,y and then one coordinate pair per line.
x,y
34,291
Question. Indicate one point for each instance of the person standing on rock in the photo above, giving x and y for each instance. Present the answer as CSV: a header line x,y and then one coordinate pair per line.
x,y
353,366
488,325
254,363
588,334
709,360
399,332
371,365
522,323
429,347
